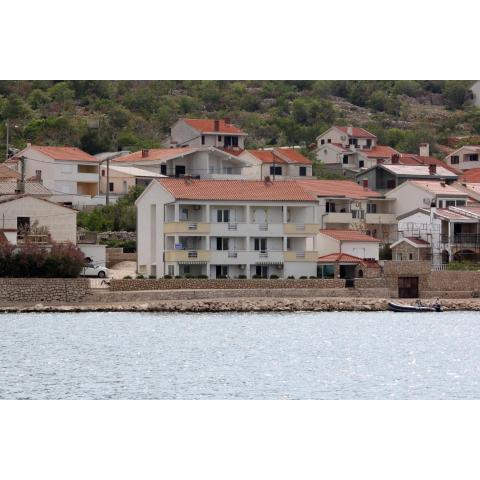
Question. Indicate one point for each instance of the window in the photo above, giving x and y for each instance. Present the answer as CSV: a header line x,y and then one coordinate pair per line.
x,y
329,140
221,271
410,256
322,142
186,269
275,170
203,139
38,174
103,172
261,271
325,271
473,157
171,270
219,138
111,187
345,159
260,244
302,171
399,256
361,163
183,214
353,141
454,159
372,208
330,207
87,169
163,168
223,216
391,183
450,203
222,243
369,142
460,203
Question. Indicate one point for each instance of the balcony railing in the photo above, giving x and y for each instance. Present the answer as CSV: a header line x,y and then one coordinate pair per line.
x,y
461,239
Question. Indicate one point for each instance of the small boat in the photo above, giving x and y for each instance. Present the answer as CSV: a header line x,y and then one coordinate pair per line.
x,y
418,307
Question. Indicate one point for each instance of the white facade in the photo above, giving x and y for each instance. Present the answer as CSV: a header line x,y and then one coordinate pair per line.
x,y
224,238
70,181
328,245
60,221
465,158
185,135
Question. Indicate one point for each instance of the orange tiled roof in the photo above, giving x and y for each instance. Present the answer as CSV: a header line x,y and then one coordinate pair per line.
x,y
349,235
412,159
207,125
440,188
65,153
339,188
245,190
154,154
340,258
379,151
280,155
472,175
357,132
6,172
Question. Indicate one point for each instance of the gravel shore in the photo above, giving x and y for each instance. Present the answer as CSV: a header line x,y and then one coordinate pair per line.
x,y
241,305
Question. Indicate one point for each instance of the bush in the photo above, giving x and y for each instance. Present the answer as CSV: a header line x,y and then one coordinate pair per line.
x,y
62,261
188,275
140,277
256,276
203,276
167,277
312,276
152,277
178,276
273,277
127,277
303,277
464,265
291,277
243,277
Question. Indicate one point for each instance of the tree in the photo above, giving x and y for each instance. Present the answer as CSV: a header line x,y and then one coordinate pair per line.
x,y
456,92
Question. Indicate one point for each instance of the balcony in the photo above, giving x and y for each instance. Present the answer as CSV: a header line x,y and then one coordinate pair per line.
x,y
187,256
266,256
299,228
186,227
341,217
301,256
381,218
233,257
461,239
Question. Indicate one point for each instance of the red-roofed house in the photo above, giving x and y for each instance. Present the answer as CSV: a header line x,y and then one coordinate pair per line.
x,y
278,163
347,150
343,265
68,172
197,132
465,158
226,228
351,242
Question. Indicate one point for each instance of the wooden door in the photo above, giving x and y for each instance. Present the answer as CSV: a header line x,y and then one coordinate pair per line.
x,y
408,287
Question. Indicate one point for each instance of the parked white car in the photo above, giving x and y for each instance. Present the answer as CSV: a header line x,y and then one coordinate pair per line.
x,y
92,270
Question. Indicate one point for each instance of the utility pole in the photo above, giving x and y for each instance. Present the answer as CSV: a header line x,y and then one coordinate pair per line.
x,y
21,186
8,139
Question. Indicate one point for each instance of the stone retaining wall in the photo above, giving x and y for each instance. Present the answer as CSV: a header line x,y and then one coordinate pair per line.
x,y
454,280
116,255
370,283
43,290
197,283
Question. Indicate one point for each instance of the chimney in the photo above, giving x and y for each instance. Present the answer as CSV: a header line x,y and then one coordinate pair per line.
x,y
365,184
227,120
349,131
395,159
432,169
424,150
216,125
145,152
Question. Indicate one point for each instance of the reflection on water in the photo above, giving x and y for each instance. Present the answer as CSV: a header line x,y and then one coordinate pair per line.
x,y
348,355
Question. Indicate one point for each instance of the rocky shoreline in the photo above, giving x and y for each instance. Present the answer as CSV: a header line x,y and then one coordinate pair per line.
x,y
239,305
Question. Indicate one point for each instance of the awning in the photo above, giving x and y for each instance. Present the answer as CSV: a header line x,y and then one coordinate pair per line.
x,y
192,262
269,263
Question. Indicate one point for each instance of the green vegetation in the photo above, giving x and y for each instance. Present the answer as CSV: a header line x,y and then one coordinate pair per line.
x,y
107,115
464,265
115,217
62,261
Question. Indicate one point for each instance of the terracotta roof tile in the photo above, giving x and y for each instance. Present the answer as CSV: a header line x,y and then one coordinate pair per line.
x,y
349,235
412,159
154,154
357,132
378,151
418,241
339,258
417,170
280,155
6,172
437,187
207,125
244,190
472,175
339,188
65,153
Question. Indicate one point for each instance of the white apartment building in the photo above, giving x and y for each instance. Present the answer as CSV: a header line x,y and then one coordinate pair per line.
x,y
198,132
225,228
71,174
464,158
